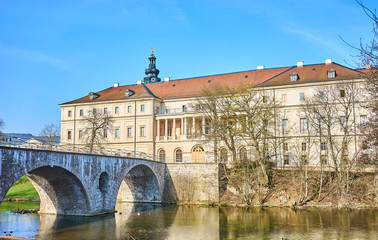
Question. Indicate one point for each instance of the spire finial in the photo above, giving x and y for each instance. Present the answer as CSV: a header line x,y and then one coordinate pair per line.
x,y
152,49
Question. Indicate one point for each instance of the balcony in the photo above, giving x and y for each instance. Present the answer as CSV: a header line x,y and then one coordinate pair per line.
x,y
173,111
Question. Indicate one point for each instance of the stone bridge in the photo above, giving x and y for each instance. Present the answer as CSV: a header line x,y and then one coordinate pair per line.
x,y
83,184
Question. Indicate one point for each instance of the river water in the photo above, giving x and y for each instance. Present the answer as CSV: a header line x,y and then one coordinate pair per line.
x,y
146,221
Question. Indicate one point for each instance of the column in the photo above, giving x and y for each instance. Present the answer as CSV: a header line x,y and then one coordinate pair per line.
x,y
182,127
174,129
166,129
203,125
158,129
185,127
193,127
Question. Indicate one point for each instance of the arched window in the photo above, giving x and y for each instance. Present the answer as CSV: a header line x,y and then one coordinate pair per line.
x,y
198,154
223,155
162,155
242,154
178,155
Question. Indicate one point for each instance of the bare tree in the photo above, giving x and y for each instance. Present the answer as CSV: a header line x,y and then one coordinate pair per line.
x,y
97,125
330,113
368,57
50,135
242,119
1,126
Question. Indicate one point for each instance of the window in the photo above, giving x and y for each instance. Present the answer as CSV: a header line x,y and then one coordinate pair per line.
x,y
342,123
116,110
105,133
362,92
69,113
321,95
184,108
69,135
243,154
324,159
129,132
80,134
304,146
304,160
342,93
142,132
198,154
293,77
129,109
303,124
285,127
169,130
116,133
286,159
167,110
331,73
162,155
265,99
178,155
323,125
363,120
81,112
223,155
142,108
285,147
323,146
105,110
283,97
301,96
94,111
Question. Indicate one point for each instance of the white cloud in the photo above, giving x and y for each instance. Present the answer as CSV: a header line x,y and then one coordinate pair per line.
x,y
34,56
317,40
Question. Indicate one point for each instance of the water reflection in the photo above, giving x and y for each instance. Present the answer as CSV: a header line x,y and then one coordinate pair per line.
x,y
153,221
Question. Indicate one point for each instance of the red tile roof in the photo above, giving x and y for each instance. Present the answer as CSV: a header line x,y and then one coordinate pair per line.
x,y
191,87
115,93
313,73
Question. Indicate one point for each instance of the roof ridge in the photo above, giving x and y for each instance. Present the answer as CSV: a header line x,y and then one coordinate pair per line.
x,y
276,75
149,91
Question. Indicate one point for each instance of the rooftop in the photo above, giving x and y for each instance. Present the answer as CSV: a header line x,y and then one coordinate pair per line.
x,y
191,87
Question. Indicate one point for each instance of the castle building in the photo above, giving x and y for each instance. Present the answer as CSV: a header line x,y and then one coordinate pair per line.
x,y
158,117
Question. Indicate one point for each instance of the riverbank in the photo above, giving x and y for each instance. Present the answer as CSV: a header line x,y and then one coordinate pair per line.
x,y
13,238
22,190
287,191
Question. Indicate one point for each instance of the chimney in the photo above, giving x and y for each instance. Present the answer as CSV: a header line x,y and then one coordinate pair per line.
x,y
300,64
115,85
139,82
328,61
260,67
167,79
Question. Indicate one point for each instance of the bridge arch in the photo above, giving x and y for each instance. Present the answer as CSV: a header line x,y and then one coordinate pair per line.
x,y
140,185
60,191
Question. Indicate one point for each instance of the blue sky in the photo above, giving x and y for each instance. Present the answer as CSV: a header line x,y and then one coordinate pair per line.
x,y
56,51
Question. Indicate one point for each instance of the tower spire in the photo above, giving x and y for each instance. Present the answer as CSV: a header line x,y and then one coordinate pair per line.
x,y
152,72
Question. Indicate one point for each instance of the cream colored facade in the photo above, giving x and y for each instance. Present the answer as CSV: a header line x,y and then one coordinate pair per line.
x,y
164,127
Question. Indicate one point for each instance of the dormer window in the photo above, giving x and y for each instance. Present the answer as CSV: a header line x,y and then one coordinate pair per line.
x,y
129,92
331,73
293,77
93,96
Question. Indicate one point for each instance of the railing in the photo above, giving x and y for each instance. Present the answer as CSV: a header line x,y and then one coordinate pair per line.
x,y
64,147
174,110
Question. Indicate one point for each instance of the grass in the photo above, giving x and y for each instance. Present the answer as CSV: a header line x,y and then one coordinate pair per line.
x,y
22,189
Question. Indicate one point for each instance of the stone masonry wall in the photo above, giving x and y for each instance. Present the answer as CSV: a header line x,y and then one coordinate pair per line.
x,y
194,183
